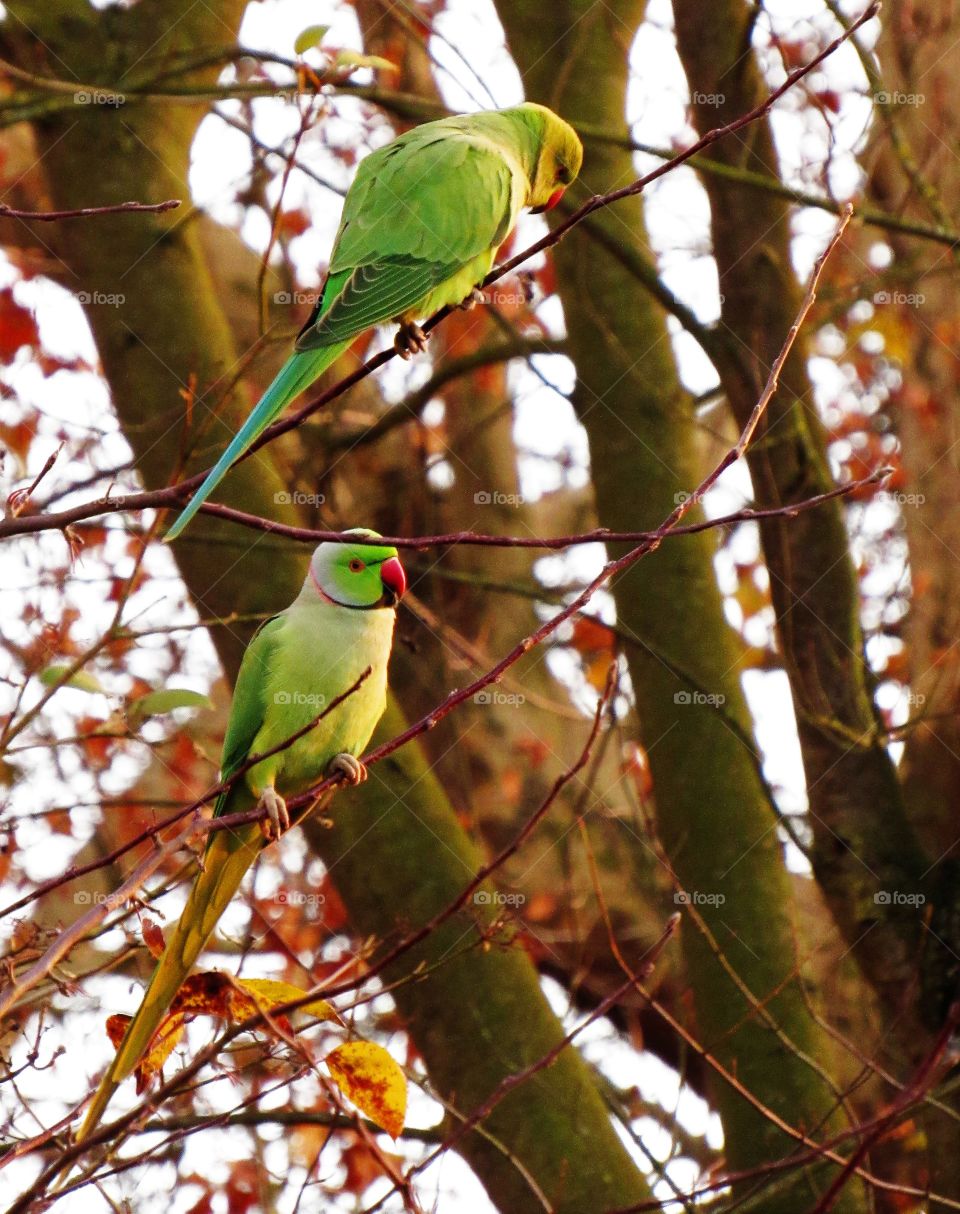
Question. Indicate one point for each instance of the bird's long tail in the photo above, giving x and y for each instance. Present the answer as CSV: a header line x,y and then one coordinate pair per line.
x,y
296,375
228,856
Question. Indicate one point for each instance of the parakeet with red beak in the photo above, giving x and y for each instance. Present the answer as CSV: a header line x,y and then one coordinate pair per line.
x,y
421,225
298,663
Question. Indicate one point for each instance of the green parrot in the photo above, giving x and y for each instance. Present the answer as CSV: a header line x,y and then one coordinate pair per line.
x,y
421,225
298,662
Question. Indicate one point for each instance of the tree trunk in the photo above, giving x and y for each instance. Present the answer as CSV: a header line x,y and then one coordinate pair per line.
x,y
713,816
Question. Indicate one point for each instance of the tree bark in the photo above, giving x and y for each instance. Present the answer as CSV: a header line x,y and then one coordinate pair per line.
x,y
712,813
863,844
397,853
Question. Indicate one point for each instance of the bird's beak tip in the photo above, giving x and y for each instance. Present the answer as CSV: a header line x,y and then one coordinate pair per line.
x,y
394,580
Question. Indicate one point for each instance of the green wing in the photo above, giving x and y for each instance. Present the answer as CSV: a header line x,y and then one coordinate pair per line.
x,y
248,709
419,211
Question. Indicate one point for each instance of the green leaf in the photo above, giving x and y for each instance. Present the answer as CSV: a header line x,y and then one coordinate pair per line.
x,y
156,702
354,59
80,680
312,36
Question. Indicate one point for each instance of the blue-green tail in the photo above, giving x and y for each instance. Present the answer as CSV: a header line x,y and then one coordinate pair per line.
x,y
296,374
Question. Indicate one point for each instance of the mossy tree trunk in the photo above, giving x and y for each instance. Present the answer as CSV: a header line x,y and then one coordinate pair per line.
x,y
397,852
712,811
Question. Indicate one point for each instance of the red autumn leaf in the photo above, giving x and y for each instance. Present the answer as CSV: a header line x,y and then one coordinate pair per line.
x,y
18,327
152,937
96,747
293,223
17,438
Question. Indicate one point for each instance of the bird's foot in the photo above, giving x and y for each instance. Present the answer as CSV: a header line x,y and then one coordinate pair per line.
x,y
475,297
349,766
277,819
410,339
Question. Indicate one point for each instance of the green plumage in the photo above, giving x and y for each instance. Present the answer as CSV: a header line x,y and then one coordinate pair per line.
x,y
421,225
340,626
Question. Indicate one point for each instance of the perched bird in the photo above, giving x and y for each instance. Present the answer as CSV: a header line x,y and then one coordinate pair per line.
x,y
421,225
340,624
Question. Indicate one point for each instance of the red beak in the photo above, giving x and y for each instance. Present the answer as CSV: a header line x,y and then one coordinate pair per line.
x,y
549,204
394,580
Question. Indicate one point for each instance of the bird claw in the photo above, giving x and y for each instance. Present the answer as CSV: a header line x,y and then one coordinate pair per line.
x,y
410,340
475,297
277,819
349,766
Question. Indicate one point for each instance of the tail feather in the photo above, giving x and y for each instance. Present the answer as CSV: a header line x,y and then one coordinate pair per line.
x,y
228,856
296,374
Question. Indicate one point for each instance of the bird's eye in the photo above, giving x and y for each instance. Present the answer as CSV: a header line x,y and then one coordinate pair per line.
x,y
564,175
356,565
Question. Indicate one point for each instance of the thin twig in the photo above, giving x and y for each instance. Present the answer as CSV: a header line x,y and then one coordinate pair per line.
x,y
113,208
176,495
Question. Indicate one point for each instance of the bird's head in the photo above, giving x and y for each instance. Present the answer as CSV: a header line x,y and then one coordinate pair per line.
x,y
361,576
559,159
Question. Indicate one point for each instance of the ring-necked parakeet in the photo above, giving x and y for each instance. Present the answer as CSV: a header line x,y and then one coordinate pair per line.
x,y
421,225
298,662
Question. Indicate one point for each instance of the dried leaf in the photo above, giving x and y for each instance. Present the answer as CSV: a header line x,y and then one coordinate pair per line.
x,y
152,938
267,992
369,1078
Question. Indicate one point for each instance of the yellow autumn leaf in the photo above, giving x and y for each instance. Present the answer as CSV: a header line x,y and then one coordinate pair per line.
x,y
270,993
165,1041
370,1079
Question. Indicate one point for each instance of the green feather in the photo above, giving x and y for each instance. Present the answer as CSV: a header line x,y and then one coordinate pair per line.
x,y
297,664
